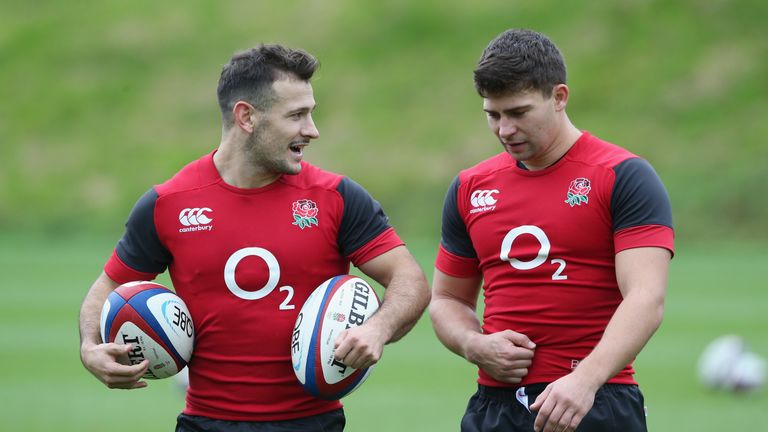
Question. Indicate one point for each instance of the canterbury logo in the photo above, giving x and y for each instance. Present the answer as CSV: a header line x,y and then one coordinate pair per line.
x,y
483,198
195,216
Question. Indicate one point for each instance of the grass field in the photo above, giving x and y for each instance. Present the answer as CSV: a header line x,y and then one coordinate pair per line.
x,y
101,99
418,386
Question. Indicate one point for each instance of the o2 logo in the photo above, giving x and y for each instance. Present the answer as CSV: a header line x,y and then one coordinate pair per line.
x,y
541,257
274,277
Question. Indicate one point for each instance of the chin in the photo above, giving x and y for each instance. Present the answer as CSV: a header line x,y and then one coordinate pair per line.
x,y
516,156
292,169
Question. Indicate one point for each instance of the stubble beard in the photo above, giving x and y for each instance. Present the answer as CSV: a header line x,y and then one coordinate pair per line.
x,y
257,154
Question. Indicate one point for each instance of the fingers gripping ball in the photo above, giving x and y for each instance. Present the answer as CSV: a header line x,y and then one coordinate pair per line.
x,y
340,303
155,321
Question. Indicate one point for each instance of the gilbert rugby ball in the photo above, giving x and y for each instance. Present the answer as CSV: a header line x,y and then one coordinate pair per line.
x,y
340,303
155,321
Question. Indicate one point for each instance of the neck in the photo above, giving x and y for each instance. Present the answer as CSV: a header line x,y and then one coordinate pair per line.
x,y
235,168
562,143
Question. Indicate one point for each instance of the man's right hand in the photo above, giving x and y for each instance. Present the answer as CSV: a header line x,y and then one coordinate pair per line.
x,y
505,355
102,361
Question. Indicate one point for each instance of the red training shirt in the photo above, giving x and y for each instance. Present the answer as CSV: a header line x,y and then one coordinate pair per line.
x,y
244,261
545,243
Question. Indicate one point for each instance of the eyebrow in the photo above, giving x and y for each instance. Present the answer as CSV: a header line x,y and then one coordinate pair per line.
x,y
302,109
512,110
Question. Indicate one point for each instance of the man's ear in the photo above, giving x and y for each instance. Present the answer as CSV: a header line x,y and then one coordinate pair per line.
x,y
560,95
245,116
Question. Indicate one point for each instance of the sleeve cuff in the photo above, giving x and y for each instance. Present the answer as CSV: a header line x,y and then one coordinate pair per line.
x,y
119,272
384,242
456,266
645,236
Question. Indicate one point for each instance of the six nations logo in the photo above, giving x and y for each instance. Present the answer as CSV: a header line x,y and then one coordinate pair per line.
x,y
195,219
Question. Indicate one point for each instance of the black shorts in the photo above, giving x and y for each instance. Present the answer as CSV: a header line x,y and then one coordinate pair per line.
x,y
333,421
617,407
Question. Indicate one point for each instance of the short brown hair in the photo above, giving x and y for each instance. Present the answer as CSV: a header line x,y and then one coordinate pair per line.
x,y
519,60
248,76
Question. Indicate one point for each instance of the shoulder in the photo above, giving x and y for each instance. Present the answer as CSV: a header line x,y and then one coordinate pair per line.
x,y
196,174
312,177
341,188
591,150
488,167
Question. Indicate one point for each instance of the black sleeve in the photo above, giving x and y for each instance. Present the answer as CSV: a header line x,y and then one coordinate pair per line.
x,y
140,247
454,236
639,197
363,218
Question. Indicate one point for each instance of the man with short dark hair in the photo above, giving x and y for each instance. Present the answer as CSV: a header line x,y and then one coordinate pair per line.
x,y
249,265
571,237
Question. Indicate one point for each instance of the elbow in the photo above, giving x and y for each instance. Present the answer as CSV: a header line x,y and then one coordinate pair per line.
x,y
648,309
423,295
654,312
431,310
658,315
426,292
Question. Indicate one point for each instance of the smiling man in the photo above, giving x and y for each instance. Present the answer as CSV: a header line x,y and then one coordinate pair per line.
x,y
570,237
247,232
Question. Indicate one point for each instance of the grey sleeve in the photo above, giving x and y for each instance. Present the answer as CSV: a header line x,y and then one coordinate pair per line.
x,y
363,218
454,236
140,247
639,197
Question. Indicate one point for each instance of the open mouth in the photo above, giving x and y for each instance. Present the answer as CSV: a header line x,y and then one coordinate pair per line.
x,y
297,148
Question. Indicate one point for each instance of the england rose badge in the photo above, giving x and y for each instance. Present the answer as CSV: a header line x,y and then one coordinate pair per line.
x,y
305,213
578,191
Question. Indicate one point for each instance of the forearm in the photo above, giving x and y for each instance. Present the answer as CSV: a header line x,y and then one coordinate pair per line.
x,y
101,359
505,355
641,274
90,310
405,298
632,325
453,311
455,324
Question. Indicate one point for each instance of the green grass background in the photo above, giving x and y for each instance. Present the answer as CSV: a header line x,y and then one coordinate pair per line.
x,y
418,385
102,99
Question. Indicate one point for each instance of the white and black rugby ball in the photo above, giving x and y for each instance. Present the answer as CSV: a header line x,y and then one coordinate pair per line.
x,y
155,321
727,364
340,303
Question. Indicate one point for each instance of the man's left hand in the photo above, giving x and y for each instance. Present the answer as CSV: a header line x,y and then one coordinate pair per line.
x,y
563,404
360,347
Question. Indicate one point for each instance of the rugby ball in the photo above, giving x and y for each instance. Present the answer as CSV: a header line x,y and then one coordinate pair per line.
x,y
339,303
155,321
727,364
